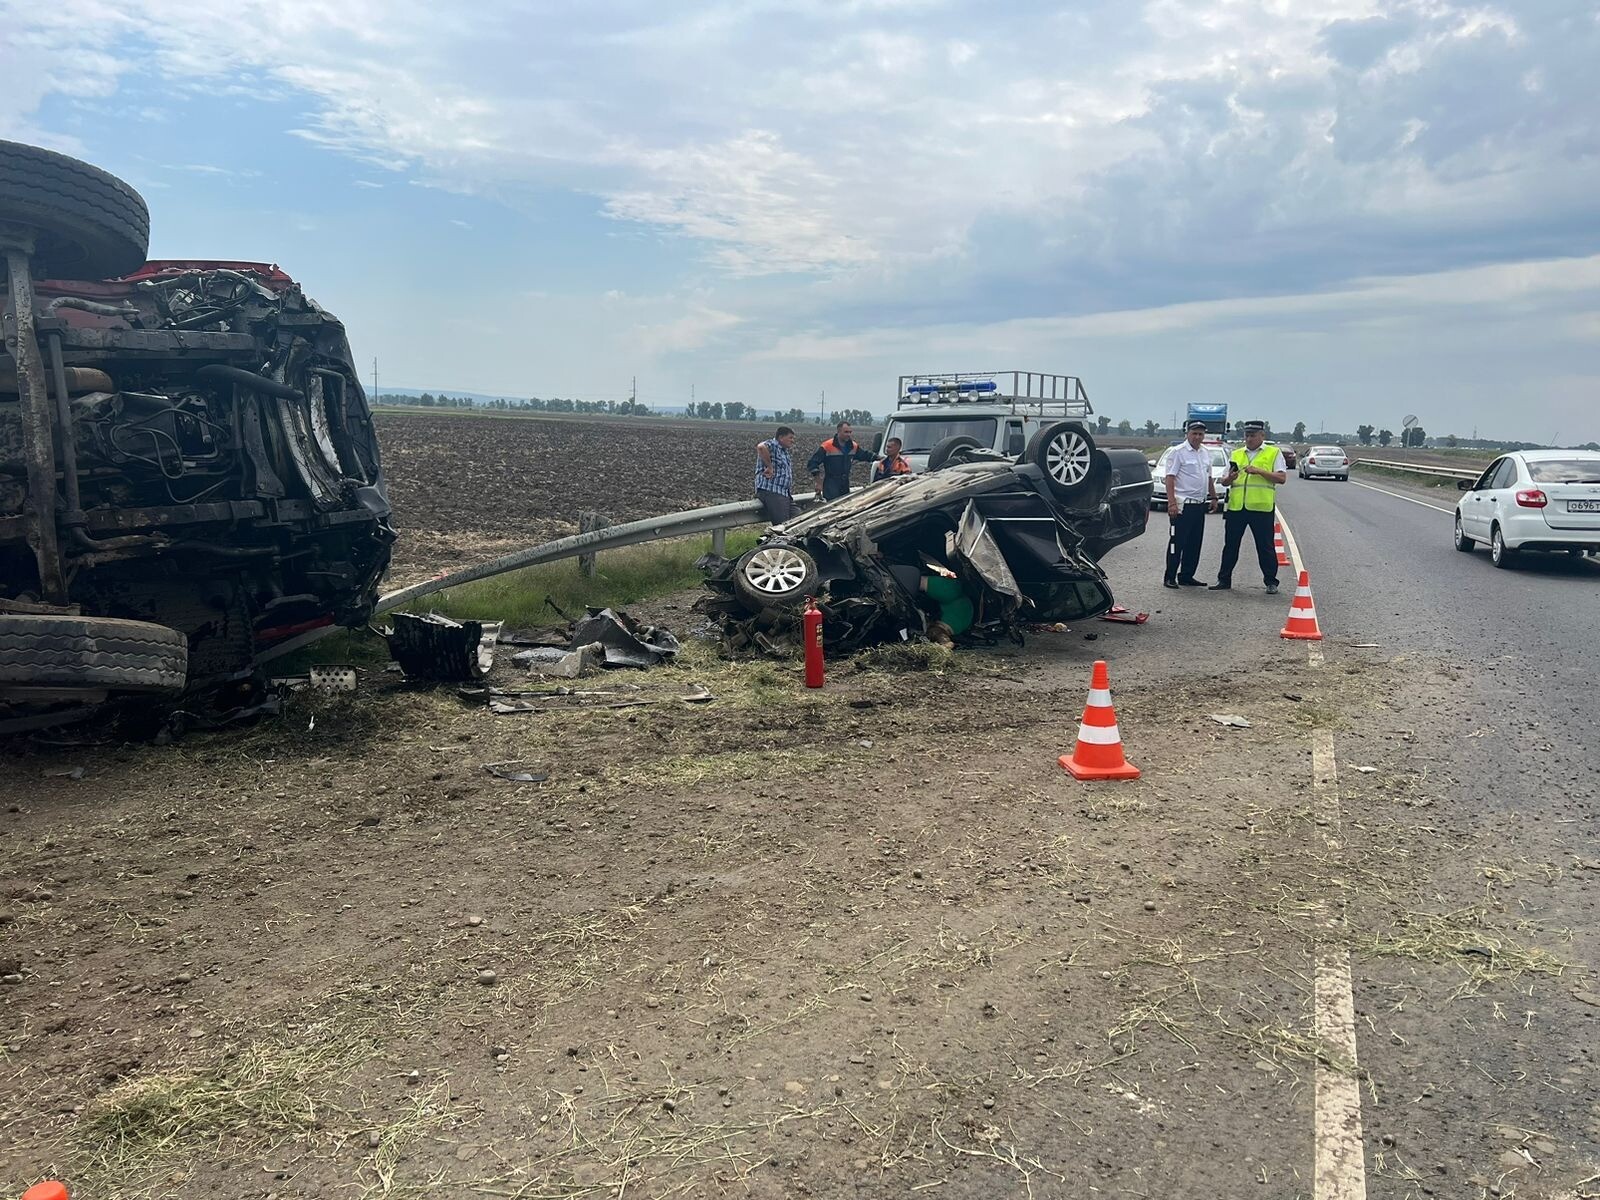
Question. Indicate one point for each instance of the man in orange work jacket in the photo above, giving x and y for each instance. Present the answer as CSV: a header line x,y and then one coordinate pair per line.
x,y
891,464
830,463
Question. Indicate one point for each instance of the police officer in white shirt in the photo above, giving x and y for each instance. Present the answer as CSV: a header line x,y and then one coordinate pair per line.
x,y
1191,494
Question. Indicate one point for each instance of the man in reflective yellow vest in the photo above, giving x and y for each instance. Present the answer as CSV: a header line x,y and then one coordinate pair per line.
x,y
1254,472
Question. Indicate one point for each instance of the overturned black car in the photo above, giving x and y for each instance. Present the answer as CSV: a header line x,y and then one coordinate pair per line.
x,y
188,468
977,546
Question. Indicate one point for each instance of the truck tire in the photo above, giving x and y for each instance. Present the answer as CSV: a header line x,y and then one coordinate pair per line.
x,y
92,653
89,224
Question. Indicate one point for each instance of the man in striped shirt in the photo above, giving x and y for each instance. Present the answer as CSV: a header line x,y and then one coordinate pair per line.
x,y
775,475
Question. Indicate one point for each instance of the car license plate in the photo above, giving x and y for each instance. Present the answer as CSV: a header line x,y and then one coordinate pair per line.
x,y
1583,506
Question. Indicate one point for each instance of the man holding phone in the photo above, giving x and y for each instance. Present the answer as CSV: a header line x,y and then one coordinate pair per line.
x,y
1254,472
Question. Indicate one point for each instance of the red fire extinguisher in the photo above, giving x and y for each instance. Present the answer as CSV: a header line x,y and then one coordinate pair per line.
x,y
813,624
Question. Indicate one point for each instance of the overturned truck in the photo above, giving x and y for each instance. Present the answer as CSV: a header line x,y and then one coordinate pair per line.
x,y
188,468
978,545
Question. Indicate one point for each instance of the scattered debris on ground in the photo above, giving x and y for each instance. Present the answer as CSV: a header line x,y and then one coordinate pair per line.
x,y
434,648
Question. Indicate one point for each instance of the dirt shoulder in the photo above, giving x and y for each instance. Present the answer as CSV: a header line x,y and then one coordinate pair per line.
x,y
762,946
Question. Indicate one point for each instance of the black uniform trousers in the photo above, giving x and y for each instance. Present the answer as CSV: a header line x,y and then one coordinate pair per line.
x,y
1261,525
1183,547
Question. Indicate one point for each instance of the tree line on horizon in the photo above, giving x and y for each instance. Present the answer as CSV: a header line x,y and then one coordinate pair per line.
x,y
731,410
735,410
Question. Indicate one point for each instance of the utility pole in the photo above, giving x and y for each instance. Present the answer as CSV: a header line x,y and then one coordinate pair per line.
x,y
633,396
822,407
374,380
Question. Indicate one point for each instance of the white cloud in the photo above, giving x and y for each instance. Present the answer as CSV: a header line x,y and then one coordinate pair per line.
x,y
801,136
860,175
1492,290
695,329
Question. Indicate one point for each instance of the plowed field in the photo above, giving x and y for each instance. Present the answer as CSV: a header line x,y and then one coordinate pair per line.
x,y
469,486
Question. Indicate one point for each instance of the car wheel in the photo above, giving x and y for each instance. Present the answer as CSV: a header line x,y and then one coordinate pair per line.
x,y
775,575
1463,542
1065,453
100,654
1502,555
89,224
947,450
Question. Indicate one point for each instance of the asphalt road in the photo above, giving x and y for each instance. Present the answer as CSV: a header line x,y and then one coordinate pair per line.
x,y
1509,753
1485,739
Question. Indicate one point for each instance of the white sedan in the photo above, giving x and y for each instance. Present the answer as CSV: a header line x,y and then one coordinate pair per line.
x,y
1329,462
1532,500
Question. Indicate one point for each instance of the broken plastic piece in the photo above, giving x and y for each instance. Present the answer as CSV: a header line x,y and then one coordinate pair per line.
x,y
1231,719
507,770
428,646
1122,616
333,679
624,641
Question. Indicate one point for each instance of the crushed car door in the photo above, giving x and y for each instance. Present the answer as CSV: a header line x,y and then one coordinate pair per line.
x,y
974,544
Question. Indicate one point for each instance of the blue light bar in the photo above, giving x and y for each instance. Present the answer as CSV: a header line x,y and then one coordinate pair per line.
x,y
933,389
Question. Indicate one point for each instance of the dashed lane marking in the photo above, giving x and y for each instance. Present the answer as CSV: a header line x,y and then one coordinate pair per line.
x,y
1339,1159
1407,499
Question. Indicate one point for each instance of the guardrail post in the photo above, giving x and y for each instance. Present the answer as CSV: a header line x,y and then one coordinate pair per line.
x,y
719,542
588,522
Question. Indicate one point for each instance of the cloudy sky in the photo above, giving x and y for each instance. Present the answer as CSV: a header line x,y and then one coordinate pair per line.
x,y
1336,213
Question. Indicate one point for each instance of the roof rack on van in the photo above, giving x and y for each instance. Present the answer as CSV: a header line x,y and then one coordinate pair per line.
x,y
1021,391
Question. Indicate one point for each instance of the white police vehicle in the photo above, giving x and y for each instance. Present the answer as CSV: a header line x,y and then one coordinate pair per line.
x,y
1021,415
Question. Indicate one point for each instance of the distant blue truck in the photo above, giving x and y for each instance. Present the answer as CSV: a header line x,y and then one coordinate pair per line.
x,y
1214,415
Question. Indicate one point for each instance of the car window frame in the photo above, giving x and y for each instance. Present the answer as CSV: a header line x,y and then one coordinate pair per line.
x,y
1486,480
1016,435
1506,477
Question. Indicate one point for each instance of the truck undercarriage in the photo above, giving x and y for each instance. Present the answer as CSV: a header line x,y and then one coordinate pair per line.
x,y
184,448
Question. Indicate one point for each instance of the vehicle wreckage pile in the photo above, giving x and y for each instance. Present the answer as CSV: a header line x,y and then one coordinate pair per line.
x,y
188,470
974,549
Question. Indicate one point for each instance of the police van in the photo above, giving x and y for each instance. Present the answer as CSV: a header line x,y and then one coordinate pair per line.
x,y
1019,414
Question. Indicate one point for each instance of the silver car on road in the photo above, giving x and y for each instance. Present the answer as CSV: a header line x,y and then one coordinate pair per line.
x,y
1325,462
1545,500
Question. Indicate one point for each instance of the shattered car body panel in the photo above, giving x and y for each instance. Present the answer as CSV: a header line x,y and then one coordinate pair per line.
x,y
978,544
218,471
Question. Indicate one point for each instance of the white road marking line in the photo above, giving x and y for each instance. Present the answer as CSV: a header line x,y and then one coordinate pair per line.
x,y
1291,546
1340,1169
1339,1158
1407,499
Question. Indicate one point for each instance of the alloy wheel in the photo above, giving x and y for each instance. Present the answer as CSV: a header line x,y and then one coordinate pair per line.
x,y
1068,458
775,570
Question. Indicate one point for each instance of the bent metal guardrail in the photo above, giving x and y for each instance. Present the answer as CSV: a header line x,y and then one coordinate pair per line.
x,y
1417,468
713,519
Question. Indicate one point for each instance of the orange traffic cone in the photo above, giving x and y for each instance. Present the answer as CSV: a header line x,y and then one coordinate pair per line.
x,y
1277,544
1099,751
1302,622
50,1189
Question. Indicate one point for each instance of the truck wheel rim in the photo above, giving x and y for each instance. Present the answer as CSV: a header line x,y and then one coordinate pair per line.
x,y
775,570
1067,458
